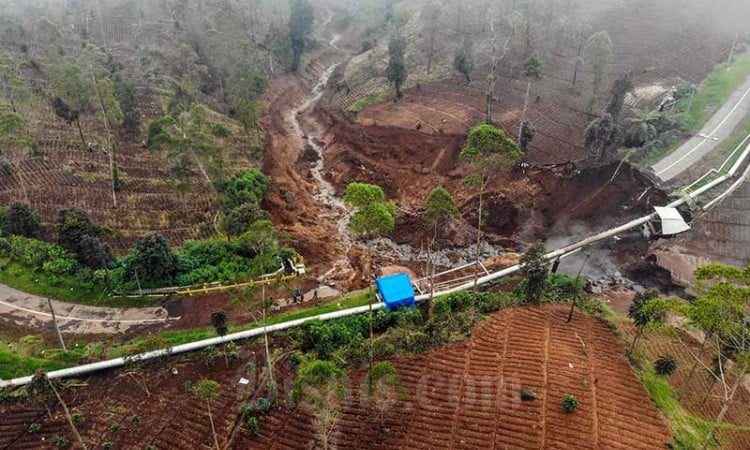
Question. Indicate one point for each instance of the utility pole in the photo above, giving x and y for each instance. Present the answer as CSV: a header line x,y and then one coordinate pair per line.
x,y
57,328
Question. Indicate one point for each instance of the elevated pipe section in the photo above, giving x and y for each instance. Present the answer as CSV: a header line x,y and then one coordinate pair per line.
x,y
255,332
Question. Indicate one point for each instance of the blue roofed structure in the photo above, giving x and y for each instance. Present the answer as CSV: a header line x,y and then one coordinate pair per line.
x,y
396,291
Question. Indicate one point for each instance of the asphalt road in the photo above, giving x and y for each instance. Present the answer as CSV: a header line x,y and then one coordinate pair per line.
x,y
31,311
716,130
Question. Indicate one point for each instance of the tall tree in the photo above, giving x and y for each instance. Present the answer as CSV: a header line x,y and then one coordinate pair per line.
x,y
488,151
208,391
463,61
535,268
439,208
373,218
152,260
300,26
644,311
598,54
77,234
245,90
396,71
24,221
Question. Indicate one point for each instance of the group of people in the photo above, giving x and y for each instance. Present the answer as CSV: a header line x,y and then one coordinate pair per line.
x,y
299,296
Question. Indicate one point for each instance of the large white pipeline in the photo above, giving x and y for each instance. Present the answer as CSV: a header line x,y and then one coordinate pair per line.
x,y
255,332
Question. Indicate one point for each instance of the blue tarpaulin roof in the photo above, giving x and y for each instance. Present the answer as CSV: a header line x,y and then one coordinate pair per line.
x,y
396,291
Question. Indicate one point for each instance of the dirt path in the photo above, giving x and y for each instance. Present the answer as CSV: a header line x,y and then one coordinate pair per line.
x,y
29,311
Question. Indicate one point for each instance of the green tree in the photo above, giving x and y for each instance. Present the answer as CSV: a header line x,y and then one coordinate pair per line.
x,y
527,135
721,304
260,238
300,26
73,96
533,66
463,61
320,389
152,260
13,132
220,322
645,310
246,187
207,391
125,94
488,151
237,221
24,221
77,234
373,218
396,71
245,90
439,208
535,268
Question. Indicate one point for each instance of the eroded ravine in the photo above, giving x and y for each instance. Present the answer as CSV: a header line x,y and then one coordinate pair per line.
x,y
333,209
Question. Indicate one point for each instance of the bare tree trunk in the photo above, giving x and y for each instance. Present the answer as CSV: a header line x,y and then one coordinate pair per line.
x,y
523,114
724,409
686,384
80,133
635,340
67,414
213,429
575,296
265,337
479,237
493,69
432,50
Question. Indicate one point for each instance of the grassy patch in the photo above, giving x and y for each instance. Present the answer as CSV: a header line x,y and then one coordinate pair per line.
x,y
363,102
66,289
14,365
689,431
714,91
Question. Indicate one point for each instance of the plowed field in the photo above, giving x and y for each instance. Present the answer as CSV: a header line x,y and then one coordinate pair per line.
x,y
467,395
461,396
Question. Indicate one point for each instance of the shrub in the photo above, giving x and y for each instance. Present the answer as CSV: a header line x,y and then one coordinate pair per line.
x,y
262,405
528,395
186,386
210,354
665,365
114,427
569,403
35,428
220,130
106,445
59,441
135,419
253,427
78,418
